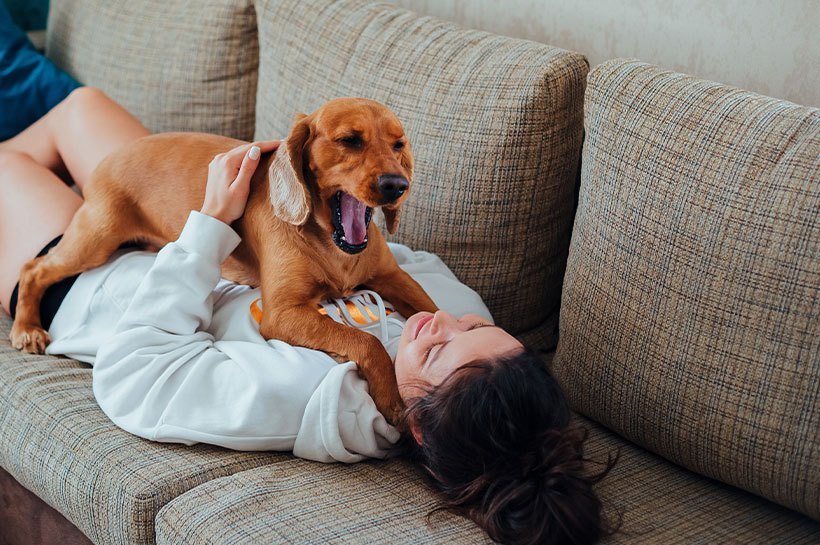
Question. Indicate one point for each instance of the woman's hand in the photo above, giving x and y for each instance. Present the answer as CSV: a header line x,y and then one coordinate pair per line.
x,y
229,180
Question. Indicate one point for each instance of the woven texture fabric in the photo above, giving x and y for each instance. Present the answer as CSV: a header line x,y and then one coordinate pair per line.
x,y
495,125
177,66
690,318
305,502
55,441
387,502
664,504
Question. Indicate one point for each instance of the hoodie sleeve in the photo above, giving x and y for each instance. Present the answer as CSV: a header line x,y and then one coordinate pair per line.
x,y
164,377
152,373
175,297
341,422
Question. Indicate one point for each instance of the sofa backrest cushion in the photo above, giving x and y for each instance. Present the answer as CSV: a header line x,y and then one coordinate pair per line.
x,y
495,125
177,66
690,318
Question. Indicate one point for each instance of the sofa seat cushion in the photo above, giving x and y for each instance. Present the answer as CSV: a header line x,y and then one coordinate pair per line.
x,y
55,441
387,502
177,66
690,318
495,124
306,502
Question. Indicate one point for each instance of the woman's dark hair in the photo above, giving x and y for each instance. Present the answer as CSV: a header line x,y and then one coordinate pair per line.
x,y
498,445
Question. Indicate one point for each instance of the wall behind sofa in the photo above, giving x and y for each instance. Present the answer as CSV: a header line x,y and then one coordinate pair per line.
x,y
768,47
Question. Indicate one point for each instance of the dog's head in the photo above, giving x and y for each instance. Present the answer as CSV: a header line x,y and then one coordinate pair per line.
x,y
340,163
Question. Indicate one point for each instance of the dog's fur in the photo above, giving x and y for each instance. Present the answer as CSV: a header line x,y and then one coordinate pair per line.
x,y
144,191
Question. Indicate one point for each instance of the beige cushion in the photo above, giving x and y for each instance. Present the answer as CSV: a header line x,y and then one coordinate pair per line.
x,y
691,314
308,502
495,125
188,66
387,502
55,441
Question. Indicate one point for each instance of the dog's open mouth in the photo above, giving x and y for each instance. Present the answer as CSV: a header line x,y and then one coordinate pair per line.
x,y
351,218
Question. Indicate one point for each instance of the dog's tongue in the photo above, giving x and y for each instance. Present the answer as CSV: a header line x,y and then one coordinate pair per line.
x,y
353,222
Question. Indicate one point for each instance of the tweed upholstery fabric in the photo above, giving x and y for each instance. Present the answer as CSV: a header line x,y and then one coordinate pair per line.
x,y
306,502
664,504
177,66
690,318
55,441
494,122
387,502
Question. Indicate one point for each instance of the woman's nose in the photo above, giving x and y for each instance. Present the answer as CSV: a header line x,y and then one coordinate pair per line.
x,y
442,322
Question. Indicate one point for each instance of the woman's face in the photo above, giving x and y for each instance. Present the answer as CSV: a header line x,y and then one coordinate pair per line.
x,y
434,345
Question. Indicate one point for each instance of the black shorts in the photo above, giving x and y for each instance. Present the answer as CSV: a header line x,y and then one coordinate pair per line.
x,y
52,298
54,295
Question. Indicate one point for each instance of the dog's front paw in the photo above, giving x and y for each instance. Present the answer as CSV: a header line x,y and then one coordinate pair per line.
x,y
393,409
29,338
388,401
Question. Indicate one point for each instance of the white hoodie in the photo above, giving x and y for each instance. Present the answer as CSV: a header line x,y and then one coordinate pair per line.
x,y
178,357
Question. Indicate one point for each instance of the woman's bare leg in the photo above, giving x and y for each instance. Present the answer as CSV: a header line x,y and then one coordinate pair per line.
x,y
77,134
35,207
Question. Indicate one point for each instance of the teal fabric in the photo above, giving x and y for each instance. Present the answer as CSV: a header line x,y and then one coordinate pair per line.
x,y
30,84
28,14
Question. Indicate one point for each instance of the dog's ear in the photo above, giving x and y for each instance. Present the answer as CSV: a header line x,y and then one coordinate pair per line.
x,y
391,218
289,194
391,215
407,161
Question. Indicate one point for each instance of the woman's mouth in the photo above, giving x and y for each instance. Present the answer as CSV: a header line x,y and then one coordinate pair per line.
x,y
421,323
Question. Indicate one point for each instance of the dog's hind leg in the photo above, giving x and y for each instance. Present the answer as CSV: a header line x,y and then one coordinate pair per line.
x,y
89,240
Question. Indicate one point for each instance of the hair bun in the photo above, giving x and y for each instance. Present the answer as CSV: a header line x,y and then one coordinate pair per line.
x,y
552,453
500,448
557,508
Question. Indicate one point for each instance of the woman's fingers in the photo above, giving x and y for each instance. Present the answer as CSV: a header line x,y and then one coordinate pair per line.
x,y
267,145
239,152
229,180
248,167
249,155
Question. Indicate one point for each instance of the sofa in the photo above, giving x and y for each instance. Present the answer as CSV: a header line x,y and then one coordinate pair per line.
x,y
655,236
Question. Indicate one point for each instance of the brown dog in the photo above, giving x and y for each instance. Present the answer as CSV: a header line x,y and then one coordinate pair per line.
x,y
306,231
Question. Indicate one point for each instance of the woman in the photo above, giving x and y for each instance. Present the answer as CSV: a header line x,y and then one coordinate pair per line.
x,y
178,357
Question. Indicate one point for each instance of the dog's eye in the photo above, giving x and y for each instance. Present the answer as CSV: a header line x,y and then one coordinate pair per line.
x,y
353,141
398,146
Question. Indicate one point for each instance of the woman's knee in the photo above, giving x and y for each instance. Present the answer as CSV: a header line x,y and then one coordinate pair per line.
x,y
24,180
11,162
85,99
82,108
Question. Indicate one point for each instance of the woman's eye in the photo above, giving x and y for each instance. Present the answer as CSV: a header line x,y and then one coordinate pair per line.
x,y
427,354
353,141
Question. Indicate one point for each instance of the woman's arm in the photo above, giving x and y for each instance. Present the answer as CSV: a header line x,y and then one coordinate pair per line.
x,y
162,376
164,303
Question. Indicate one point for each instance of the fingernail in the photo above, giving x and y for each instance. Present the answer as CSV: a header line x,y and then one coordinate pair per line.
x,y
254,154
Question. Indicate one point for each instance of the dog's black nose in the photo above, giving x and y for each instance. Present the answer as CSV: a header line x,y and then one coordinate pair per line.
x,y
392,186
